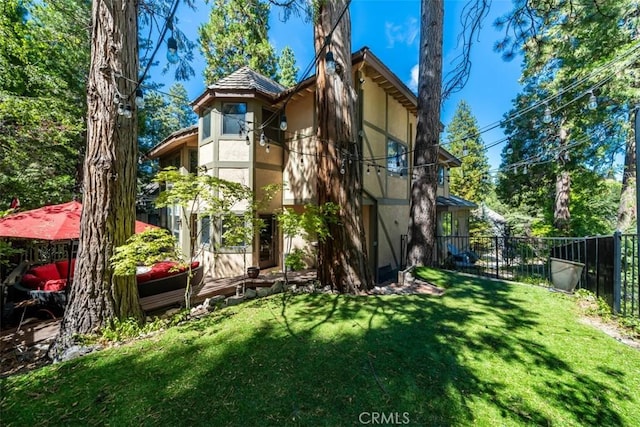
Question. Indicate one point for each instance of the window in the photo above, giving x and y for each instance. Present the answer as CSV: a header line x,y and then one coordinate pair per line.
x,y
397,158
205,230
232,232
272,131
193,161
173,161
233,118
206,125
440,175
447,225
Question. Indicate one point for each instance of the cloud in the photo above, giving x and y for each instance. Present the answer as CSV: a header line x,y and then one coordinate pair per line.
x,y
406,33
413,83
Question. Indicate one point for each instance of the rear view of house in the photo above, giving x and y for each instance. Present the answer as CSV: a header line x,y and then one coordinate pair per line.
x,y
253,131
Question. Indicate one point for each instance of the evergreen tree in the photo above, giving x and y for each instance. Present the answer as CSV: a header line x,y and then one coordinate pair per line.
x,y
342,260
164,114
287,69
469,181
572,55
44,55
237,35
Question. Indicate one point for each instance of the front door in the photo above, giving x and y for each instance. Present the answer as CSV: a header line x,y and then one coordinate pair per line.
x,y
268,242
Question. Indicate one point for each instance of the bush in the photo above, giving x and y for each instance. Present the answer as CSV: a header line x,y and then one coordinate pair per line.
x,y
295,260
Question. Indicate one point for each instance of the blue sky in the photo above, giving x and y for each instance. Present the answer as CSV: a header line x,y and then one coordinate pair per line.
x,y
391,29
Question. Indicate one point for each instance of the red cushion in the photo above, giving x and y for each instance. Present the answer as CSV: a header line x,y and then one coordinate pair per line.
x,y
195,265
32,281
144,277
164,269
46,272
63,268
55,285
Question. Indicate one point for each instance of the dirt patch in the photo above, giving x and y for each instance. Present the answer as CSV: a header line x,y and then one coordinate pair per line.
x,y
613,331
414,286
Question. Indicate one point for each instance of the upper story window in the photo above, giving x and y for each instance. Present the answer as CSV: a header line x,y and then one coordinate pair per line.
x,y
206,125
440,175
397,158
233,117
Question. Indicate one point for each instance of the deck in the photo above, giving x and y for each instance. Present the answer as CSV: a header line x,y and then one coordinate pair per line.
x,y
33,333
224,286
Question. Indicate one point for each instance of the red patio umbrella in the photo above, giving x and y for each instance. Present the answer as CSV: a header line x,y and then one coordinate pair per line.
x,y
55,222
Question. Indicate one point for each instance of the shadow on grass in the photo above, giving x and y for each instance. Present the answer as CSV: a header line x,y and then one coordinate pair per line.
x,y
326,360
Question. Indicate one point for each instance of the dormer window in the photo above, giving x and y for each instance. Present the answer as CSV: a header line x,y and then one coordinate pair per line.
x,y
233,118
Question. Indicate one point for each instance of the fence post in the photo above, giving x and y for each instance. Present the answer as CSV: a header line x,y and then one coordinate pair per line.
x,y
497,255
617,271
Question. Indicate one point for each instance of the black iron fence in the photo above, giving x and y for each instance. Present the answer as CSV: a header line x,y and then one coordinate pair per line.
x,y
605,265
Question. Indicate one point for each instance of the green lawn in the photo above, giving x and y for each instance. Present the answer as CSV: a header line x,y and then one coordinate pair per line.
x,y
484,354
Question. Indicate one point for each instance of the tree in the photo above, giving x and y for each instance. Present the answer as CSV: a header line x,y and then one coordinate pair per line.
x,y
237,35
311,224
44,54
161,116
422,216
109,178
342,259
471,179
567,43
287,69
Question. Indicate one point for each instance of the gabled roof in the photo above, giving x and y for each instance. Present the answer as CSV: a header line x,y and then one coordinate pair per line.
x,y
243,82
246,78
375,69
172,141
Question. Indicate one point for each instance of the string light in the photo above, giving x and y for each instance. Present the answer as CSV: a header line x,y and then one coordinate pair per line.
x,y
547,115
268,148
139,98
283,126
248,141
342,169
263,141
593,101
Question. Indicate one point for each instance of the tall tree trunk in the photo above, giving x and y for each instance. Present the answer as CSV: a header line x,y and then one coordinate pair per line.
x,y
627,206
108,212
561,213
422,219
342,259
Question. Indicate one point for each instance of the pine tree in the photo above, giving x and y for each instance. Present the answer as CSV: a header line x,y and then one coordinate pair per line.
x,y
469,181
342,260
236,36
287,69
421,235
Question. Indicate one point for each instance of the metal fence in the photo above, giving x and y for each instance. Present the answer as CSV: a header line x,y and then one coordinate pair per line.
x,y
610,262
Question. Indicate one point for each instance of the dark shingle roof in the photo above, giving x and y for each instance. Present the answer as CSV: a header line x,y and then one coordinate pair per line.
x,y
455,202
246,78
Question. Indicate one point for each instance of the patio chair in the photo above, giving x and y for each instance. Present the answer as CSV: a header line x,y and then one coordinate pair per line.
x,y
466,258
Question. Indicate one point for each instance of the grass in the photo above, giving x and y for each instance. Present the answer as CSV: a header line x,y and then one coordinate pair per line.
x,y
486,353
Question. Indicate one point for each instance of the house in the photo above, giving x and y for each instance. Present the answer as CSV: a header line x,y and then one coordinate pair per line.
x,y
239,137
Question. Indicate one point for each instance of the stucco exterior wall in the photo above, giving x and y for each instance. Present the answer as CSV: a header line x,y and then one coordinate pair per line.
x,y
299,176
